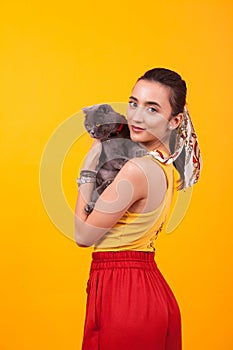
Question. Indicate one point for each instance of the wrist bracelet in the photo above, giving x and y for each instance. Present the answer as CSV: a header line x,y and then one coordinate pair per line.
x,y
89,173
86,176
83,180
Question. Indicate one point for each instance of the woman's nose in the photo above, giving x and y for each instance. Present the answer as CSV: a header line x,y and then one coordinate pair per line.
x,y
137,115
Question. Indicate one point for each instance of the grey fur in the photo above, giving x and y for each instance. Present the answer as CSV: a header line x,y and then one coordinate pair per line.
x,y
103,123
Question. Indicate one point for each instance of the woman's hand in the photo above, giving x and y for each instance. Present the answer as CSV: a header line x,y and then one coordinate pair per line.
x,y
92,158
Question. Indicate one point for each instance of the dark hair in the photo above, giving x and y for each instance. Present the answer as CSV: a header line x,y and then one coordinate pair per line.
x,y
177,99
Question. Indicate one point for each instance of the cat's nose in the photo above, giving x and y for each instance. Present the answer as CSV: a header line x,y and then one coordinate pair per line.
x,y
92,132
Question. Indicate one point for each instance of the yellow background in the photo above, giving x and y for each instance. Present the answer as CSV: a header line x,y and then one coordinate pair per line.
x,y
57,57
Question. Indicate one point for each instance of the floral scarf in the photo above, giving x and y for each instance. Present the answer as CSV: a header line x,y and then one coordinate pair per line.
x,y
185,138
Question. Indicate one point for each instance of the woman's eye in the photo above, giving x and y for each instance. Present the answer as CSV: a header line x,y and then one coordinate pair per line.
x,y
152,110
132,104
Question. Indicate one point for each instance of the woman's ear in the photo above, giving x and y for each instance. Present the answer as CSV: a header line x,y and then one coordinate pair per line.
x,y
175,121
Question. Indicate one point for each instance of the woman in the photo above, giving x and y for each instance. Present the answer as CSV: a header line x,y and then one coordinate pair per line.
x,y
130,305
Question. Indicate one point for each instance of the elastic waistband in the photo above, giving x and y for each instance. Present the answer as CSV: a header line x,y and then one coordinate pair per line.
x,y
123,260
128,255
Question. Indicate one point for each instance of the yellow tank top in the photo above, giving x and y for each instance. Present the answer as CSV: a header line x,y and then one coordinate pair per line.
x,y
138,231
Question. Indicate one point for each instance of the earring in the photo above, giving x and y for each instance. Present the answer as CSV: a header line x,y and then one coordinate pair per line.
x,y
170,127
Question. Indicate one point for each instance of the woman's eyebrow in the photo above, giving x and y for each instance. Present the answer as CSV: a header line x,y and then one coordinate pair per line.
x,y
153,103
147,102
133,98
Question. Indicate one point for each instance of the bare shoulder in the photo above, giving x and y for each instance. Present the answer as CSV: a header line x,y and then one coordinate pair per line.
x,y
142,166
149,181
144,171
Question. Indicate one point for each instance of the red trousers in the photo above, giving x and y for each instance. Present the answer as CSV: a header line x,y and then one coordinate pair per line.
x,y
130,305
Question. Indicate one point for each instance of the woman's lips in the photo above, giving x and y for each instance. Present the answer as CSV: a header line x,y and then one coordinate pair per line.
x,y
136,128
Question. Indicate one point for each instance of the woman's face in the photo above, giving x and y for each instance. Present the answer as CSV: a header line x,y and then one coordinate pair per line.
x,y
148,114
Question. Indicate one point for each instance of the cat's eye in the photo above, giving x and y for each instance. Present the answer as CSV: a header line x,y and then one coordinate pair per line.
x,y
97,125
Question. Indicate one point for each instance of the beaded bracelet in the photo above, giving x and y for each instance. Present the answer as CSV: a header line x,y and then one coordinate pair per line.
x,y
86,176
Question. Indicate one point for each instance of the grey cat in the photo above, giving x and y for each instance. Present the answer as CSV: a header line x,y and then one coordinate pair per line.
x,y
102,122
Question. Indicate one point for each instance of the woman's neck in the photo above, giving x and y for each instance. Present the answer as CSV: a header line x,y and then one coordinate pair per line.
x,y
157,144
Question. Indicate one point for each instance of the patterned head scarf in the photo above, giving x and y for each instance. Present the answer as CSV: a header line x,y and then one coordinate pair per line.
x,y
185,138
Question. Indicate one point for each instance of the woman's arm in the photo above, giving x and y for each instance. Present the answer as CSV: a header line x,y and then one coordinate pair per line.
x,y
110,206
129,186
85,190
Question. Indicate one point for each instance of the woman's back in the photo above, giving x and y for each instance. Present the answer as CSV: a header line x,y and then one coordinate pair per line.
x,y
137,230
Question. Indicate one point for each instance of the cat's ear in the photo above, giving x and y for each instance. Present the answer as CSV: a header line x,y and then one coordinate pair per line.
x,y
105,108
87,109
